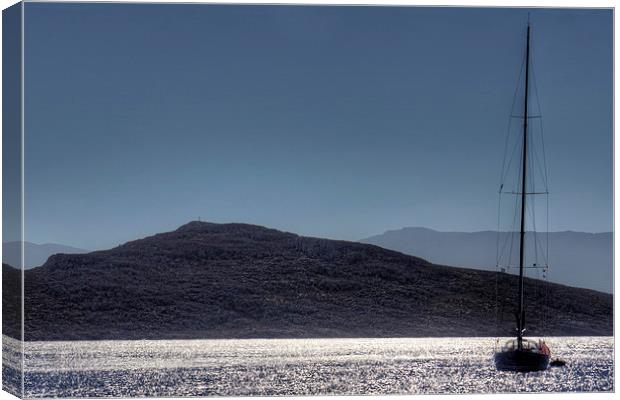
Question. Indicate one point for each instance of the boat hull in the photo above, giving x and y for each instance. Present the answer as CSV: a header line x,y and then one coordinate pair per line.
x,y
521,361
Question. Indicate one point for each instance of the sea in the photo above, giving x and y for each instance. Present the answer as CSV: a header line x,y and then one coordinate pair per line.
x,y
268,367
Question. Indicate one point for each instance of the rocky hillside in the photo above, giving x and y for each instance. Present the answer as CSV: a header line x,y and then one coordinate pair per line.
x,y
209,280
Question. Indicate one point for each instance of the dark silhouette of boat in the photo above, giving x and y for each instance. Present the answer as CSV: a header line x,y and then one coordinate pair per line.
x,y
520,354
529,356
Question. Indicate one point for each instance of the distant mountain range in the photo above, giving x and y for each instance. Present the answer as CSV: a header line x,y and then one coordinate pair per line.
x,y
575,258
207,280
35,254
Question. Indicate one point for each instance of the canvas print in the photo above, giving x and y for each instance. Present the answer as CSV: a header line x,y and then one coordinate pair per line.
x,y
250,200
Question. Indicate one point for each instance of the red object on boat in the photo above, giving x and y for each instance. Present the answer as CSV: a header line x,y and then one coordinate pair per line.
x,y
544,348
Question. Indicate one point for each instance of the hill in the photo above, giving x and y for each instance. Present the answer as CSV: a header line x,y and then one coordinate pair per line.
x,y
575,258
207,280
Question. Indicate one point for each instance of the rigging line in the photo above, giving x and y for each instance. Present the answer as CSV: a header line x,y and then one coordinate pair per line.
x,y
538,247
507,241
535,233
542,135
516,147
545,175
546,308
532,203
535,85
539,250
502,175
510,161
544,155
499,207
538,273
515,155
540,169
507,166
510,237
514,97
514,101
546,179
514,221
547,217
542,253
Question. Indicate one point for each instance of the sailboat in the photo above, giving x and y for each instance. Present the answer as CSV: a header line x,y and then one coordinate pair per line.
x,y
521,354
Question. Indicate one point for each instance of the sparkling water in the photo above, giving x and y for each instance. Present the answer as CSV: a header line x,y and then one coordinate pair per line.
x,y
297,367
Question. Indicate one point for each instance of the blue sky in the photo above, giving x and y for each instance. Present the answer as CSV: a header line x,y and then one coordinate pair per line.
x,y
338,122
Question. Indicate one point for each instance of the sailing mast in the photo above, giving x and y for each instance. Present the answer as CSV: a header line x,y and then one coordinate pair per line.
x,y
521,312
536,356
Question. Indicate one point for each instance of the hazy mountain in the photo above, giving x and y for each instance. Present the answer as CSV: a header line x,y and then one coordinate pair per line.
x,y
35,254
575,258
208,280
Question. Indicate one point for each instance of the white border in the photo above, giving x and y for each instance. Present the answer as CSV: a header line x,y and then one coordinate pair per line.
x,y
431,3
